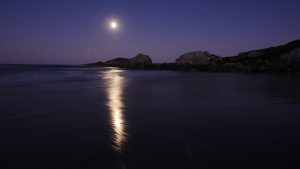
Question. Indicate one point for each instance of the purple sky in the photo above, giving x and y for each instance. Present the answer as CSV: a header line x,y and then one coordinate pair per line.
x,y
76,32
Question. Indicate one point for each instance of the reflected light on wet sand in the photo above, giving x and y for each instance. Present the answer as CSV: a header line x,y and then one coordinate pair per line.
x,y
114,87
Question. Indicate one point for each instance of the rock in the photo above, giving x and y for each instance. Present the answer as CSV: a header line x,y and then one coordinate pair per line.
x,y
118,62
292,60
291,56
97,64
252,53
141,59
235,67
196,58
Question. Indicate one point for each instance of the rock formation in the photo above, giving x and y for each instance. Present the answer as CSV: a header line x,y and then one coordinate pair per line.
x,y
292,56
141,59
284,58
196,58
97,64
118,62
252,53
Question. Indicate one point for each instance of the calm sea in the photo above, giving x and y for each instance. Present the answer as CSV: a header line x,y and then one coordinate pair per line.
x,y
107,118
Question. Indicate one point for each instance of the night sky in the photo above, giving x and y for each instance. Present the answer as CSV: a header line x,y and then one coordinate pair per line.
x,y
76,31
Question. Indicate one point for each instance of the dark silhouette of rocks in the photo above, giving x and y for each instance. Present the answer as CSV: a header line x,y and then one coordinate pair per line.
x,y
197,58
292,56
284,58
140,61
97,64
118,62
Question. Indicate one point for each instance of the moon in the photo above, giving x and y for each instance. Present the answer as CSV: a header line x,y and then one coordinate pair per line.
x,y
114,25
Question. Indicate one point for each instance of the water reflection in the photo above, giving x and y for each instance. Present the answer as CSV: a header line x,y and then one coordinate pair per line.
x,y
114,87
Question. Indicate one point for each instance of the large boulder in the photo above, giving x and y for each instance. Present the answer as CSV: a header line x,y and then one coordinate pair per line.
x,y
196,58
141,59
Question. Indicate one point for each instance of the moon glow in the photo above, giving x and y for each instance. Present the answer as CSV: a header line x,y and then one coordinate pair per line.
x,y
114,25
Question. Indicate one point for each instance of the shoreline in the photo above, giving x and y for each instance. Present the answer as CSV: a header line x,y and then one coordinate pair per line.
x,y
280,59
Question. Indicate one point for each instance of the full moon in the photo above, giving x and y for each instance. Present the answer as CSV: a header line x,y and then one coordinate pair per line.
x,y
114,25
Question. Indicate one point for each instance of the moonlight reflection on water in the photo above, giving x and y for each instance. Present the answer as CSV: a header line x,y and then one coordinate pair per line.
x,y
114,87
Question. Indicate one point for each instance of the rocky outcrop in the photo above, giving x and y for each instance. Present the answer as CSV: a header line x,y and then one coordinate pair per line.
x,y
196,58
291,56
291,60
141,59
118,62
284,58
97,64
252,53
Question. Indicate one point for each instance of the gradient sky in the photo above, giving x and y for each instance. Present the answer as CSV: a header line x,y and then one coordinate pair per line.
x,y
75,31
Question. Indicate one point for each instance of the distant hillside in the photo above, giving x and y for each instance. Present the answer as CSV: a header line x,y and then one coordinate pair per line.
x,y
284,58
272,53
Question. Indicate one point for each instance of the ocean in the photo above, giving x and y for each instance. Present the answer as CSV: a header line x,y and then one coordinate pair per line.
x,y
71,117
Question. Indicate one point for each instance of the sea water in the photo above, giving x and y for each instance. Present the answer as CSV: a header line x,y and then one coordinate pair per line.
x,y
80,118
